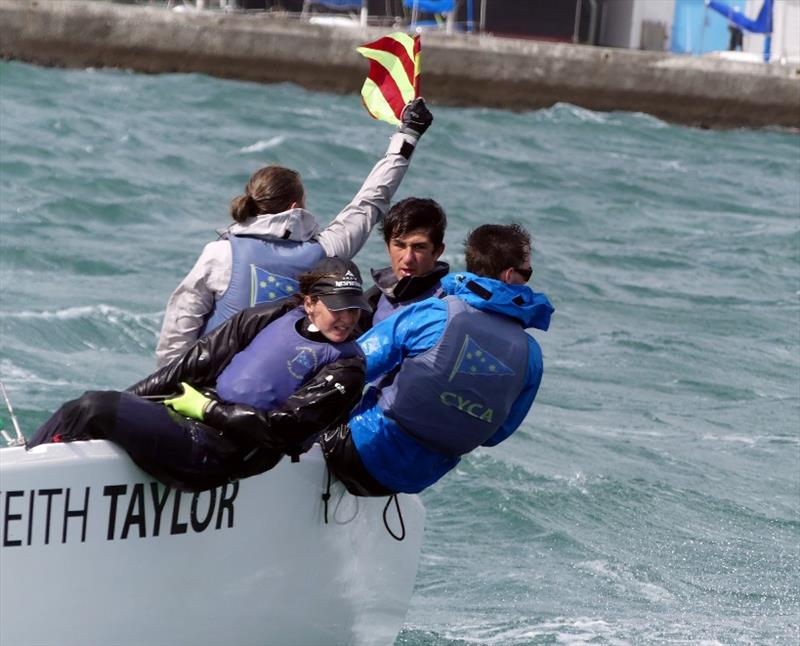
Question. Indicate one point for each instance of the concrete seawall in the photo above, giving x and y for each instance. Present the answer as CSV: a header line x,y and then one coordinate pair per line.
x,y
457,70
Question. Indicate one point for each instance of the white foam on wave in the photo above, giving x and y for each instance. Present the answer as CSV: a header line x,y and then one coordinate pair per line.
x,y
68,313
110,312
14,374
586,115
599,568
577,630
11,371
555,112
752,440
139,328
650,591
587,630
650,120
262,144
672,164
577,481
735,438
606,431
567,363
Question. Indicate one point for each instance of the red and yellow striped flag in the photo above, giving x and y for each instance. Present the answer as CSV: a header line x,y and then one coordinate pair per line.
x,y
393,78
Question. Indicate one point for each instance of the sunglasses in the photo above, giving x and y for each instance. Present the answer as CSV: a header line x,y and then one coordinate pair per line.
x,y
525,273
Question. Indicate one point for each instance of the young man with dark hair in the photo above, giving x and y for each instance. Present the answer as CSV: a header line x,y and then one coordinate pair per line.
x,y
489,247
449,374
414,234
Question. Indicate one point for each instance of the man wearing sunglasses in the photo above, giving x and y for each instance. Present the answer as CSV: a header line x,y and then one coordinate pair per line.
x,y
448,374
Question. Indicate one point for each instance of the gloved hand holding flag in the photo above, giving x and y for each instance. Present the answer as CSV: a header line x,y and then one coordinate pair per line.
x,y
393,81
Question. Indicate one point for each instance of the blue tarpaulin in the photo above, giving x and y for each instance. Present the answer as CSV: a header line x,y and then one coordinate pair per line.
x,y
431,6
441,6
338,4
695,30
761,25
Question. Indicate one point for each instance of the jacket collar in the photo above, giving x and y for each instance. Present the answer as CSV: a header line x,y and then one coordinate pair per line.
x,y
297,225
532,309
408,287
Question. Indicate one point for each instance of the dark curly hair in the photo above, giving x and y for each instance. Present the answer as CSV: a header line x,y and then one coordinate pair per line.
x,y
412,214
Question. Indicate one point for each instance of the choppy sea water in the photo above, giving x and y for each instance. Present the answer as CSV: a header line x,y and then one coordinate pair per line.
x,y
651,496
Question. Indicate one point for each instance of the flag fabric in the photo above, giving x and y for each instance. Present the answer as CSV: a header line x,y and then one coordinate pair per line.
x,y
266,287
474,360
393,78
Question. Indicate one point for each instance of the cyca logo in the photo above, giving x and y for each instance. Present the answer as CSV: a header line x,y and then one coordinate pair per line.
x,y
474,409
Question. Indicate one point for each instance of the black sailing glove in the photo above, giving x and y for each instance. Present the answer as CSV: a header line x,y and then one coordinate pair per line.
x,y
415,118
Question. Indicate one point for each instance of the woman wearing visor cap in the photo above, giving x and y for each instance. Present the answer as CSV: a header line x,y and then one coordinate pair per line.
x,y
238,409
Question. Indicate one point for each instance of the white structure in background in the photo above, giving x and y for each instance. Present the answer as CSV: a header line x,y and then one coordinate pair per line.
x,y
636,24
630,24
647,24
361,5
785,31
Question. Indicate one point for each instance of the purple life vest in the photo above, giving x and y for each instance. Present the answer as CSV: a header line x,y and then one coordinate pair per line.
x,y
277,362
455,395
262,271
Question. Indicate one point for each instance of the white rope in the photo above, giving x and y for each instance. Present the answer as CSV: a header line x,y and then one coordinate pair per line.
x,y
10,441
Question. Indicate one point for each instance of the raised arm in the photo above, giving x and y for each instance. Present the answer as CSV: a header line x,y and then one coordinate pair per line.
x,y
348,232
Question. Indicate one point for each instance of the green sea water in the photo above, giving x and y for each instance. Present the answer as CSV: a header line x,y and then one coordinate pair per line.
x,y
652,496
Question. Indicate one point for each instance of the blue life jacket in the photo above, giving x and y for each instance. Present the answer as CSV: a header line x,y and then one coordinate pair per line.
x,y
385,308
276,363
263,270
455,395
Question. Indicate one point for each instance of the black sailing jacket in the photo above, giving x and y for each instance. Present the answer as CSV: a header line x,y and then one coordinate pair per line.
x,y
324,401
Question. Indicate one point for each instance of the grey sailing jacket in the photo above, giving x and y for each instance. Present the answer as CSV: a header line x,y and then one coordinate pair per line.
x,y
192,302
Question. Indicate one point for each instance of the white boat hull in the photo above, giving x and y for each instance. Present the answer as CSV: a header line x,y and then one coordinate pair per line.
x,y
93,551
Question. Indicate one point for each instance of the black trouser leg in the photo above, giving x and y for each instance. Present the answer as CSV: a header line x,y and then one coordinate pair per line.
x,y
344,462
178,451
85,418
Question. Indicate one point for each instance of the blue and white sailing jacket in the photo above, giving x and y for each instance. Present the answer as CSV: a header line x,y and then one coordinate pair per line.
x,y
414,429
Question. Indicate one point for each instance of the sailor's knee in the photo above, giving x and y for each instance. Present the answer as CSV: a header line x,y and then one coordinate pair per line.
x,y
86,406
92,411
93,400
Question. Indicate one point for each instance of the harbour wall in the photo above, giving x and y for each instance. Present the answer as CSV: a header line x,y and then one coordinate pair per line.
x,y
457,69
